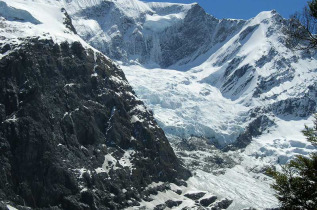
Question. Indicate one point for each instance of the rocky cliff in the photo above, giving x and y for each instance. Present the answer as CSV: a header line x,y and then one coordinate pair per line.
x,y
72,133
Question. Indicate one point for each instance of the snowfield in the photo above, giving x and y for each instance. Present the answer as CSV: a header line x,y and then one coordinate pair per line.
x,y
217,99
185,107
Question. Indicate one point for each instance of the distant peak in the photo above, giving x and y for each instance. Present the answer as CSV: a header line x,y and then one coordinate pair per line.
x,y
272,14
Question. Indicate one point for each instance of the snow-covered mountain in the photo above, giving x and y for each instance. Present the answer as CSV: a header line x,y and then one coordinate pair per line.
x,y
161,33
225,77
229,84
235,83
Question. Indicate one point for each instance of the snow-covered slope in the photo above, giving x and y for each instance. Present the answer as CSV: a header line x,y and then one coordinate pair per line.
x,y
160,34
28,19
224,64
247,85
252,92
234,83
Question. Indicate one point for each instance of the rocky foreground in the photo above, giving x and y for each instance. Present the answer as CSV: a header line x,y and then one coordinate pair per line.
x,y
72,134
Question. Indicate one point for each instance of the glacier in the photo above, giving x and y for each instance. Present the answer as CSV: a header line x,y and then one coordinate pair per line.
x,y
235,84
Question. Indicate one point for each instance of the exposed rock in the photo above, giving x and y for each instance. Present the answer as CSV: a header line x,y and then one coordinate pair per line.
x,y
207,201
5,48
255,128
195,196
160,207
68,21
179,192
223,204
72,133
171,203
2,206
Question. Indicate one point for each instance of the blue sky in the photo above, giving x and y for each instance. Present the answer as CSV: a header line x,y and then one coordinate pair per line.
x,y
244,9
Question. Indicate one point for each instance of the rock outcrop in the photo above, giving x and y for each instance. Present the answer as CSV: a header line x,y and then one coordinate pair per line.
x,y
72,133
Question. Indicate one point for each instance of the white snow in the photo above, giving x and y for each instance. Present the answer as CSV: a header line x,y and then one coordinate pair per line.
x,y
11,207
84,189
81,171
51,21
140,108
118,80
245,183
194,102
65,114
136,118
153,185
242,183
94,75
70,85
99,170
12,119
43,19
125,161
158,23
111,163
183,106
236,184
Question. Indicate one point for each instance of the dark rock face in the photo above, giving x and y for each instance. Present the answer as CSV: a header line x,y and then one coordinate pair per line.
x,y
195,196
198,33
171,203
180,42
160,207
223,204
230,84
297,107
68,21
255,128
207,201
72,133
